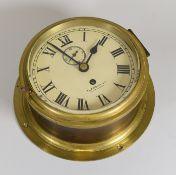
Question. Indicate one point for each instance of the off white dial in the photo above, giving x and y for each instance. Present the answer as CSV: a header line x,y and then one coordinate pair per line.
x,y
83,69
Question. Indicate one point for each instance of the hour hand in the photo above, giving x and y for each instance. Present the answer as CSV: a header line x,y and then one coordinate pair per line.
x,y
60,50
93,50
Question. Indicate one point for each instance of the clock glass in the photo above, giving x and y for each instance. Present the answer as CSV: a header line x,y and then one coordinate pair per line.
x,y
83,69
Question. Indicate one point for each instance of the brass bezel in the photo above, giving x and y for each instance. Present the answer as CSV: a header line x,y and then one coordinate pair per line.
x,y
87,120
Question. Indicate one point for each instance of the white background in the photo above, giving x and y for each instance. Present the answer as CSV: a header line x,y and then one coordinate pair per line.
x,y
154,21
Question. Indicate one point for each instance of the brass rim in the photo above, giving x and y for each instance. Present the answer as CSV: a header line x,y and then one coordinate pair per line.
x,y
74,151
87,120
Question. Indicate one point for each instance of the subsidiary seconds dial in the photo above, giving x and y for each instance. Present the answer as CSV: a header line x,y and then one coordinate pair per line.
x,y
83,69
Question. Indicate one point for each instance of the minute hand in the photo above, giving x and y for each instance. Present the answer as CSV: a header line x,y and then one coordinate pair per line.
x,y
57,48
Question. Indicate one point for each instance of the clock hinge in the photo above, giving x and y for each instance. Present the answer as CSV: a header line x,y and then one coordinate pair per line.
x,y
146,51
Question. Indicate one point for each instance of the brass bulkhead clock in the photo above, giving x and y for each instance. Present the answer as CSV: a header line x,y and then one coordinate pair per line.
x,y
84,91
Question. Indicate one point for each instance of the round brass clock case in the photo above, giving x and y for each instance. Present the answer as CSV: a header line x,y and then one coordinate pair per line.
x,y
84,134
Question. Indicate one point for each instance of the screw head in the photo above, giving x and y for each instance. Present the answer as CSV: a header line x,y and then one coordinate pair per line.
x,y
119,146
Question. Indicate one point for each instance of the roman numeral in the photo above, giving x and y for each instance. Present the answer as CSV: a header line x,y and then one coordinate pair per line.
x,y
82,104
103,40
84,36
62,99
48,87
117,52
49,51
104,100
42,69
121,87
65,40
123,69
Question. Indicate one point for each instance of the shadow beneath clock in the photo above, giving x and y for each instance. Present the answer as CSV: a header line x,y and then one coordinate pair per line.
x,y
18,24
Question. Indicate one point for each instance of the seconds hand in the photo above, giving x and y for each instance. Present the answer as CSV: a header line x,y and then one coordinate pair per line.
x,y
57,48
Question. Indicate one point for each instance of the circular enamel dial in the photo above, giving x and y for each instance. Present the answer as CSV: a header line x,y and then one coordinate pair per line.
x,y
83,69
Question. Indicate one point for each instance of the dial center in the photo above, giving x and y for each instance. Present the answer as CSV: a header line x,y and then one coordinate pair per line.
x,y
83,67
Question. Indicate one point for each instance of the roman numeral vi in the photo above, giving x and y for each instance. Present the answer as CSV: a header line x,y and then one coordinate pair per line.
x,y
104,100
